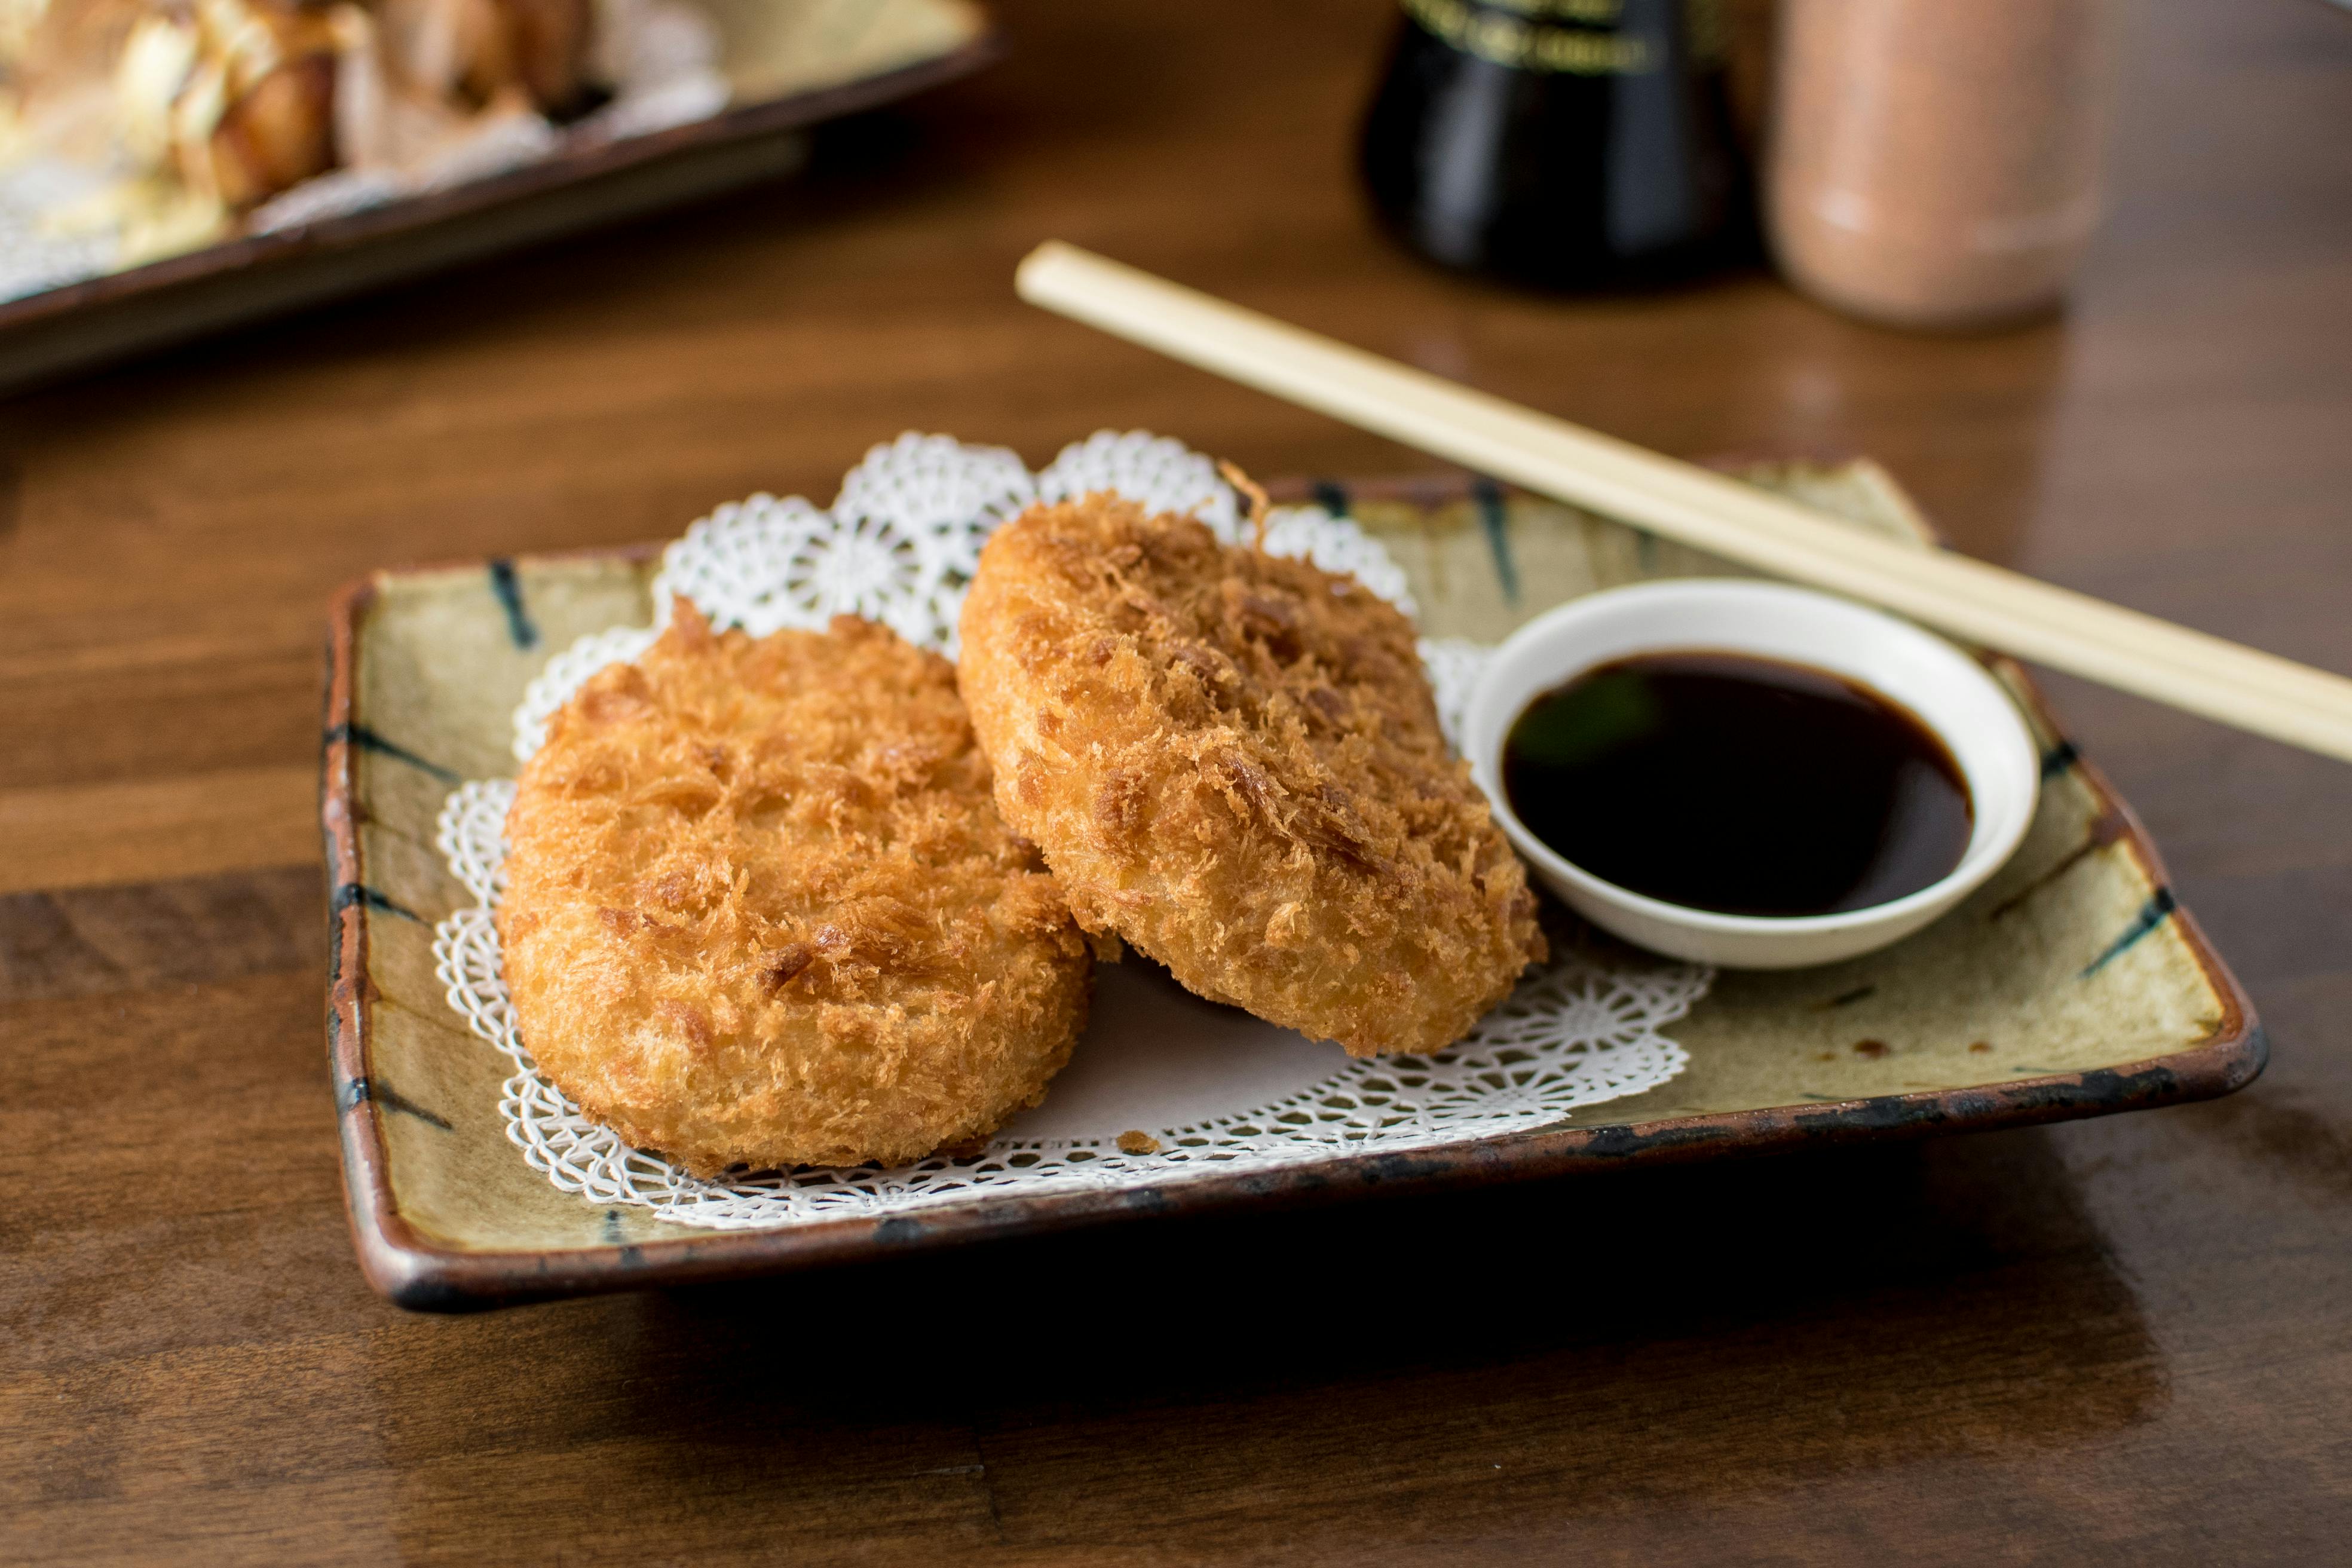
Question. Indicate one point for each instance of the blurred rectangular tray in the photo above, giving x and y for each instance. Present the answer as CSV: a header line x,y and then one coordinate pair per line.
x,y
2073,985
82,325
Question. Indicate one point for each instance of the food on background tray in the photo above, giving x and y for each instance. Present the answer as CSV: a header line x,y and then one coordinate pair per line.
x,y
1232,760
761,912
187,115
110,159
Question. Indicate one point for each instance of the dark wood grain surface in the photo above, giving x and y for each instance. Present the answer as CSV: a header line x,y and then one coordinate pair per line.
x,y
2124,1340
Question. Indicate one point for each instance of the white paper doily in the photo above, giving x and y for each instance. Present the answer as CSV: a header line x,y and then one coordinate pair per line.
x,y
1216,1089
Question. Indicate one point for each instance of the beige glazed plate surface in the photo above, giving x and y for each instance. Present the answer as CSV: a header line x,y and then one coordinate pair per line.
x,y
2072,985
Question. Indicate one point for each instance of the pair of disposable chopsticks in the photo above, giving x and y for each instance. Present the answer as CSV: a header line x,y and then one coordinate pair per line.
x,y
2190,670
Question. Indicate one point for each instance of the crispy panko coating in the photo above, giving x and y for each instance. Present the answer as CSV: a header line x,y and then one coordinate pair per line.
x,y
1233,762
761,913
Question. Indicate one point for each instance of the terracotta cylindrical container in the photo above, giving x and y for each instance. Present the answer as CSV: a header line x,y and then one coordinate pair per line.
x,y
1936,163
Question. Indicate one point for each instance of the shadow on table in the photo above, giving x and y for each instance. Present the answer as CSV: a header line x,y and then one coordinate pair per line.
x,y
1664,1337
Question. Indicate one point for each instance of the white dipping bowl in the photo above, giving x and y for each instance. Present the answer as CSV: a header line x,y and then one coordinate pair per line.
x,y
1948,691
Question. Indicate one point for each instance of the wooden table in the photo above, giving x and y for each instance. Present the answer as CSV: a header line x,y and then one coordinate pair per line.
x,y
2121,1341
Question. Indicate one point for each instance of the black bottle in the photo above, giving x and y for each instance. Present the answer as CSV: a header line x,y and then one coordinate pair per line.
x,y
1566,143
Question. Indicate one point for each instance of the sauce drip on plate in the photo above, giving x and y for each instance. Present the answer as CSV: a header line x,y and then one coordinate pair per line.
x,y
1744,785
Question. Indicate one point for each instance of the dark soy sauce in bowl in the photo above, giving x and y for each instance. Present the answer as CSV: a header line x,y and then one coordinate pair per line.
x,y
1744,785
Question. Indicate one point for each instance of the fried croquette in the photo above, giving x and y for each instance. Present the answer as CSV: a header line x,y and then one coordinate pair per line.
x,y
1232,760
761,913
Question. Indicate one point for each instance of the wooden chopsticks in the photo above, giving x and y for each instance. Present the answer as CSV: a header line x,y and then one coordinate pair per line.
x,y
2200,674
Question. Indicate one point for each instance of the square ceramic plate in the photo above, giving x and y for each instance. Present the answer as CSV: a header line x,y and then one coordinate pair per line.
x,y
792,65
2073,985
